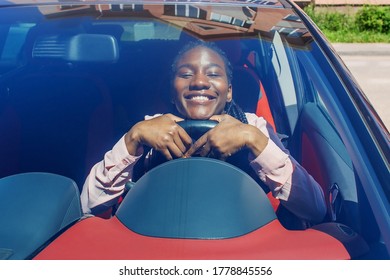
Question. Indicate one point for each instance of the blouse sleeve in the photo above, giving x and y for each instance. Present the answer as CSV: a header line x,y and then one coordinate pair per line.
x,y
106,180
287,179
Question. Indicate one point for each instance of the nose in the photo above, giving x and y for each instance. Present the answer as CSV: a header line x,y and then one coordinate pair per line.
x,y
200,81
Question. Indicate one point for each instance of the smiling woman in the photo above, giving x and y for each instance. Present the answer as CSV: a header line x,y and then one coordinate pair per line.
x,y
92,91
201,91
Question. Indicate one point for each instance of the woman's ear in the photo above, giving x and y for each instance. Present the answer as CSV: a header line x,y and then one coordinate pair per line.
x,y
229,96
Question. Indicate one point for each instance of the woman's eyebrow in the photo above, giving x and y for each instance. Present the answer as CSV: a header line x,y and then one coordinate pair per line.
x,y
215,65
186,65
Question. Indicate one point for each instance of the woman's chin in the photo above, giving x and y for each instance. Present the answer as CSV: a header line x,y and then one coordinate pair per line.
x,y
199,116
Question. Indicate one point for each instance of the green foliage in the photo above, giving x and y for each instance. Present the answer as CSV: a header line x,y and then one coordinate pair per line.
x,y
372,18
369,24
336,21
332,21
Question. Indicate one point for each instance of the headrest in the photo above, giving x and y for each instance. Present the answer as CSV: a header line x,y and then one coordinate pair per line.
x,y
77,48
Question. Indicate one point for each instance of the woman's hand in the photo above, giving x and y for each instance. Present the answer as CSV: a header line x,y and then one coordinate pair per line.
x,y
227,138
162,134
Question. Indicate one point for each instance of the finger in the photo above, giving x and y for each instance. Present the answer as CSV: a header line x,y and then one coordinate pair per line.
x,y
174,118
175,150
166,154
185,138
205,150
225,156
218,118
179,144
200,143
182,144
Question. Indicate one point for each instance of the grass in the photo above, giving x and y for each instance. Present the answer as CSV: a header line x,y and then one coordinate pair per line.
x,y
356,37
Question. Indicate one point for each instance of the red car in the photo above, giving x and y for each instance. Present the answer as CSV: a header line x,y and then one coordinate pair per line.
x,y
70,72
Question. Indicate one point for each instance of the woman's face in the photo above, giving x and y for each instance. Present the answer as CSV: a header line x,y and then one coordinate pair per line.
x,y
201,87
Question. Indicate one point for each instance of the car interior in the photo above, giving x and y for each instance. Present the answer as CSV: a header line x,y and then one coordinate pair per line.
x,y
75,86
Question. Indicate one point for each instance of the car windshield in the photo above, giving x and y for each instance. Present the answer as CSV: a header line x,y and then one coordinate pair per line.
x,y
75,78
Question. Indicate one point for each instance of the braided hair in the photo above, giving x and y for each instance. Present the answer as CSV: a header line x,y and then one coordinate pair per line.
x,y
231,108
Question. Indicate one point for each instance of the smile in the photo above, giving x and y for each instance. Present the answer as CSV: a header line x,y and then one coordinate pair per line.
x,y
200,98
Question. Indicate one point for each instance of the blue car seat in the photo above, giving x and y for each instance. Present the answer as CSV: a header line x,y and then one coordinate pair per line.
x,y
35,207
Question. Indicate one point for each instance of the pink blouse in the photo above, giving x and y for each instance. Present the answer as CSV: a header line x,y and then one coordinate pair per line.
x,y
288,181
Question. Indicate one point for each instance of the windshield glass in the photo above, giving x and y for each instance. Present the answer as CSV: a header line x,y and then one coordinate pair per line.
x,y
74,79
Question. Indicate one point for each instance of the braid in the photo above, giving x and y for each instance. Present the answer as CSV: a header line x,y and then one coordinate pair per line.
x,y
232,109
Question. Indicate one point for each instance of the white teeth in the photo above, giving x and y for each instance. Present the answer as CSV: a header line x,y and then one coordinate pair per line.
x,y
200,98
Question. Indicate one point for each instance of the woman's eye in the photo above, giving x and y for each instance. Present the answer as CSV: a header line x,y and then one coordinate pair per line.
x,y
213,74
185,75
